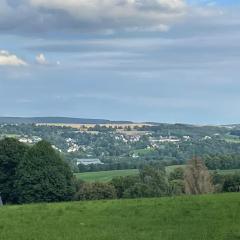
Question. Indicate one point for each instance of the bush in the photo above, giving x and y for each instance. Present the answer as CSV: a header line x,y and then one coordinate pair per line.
x,y
138,190
96,191
177,174
232,183
176,187
121,184
151,182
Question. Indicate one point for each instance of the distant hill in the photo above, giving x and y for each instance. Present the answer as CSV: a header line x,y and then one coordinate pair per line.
x,y
63,120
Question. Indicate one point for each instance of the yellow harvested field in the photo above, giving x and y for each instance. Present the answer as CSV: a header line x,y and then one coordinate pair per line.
x,y
86,126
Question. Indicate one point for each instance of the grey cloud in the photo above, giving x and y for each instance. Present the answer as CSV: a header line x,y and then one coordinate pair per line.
x,y
149,54
84,16
40,16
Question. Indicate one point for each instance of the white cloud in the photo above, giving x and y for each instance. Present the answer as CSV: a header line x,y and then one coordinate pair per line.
x,y
40,58
8,59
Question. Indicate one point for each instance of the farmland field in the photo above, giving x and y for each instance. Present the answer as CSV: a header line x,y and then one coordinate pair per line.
x,y
207,217
231,171
105,176
86,126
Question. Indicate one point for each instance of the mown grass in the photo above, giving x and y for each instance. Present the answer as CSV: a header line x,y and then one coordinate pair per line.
x,y
212,217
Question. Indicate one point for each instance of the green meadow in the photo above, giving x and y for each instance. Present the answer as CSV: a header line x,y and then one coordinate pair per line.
x,y
227,172
105,176
206,217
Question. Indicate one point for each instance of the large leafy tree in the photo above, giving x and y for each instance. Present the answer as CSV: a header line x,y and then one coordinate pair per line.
x,y
43,176
11,154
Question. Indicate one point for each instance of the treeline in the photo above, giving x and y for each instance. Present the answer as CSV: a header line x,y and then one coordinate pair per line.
x,y
235,132
105,167
38,173
222,162
153,181
180,130
138,164
213,162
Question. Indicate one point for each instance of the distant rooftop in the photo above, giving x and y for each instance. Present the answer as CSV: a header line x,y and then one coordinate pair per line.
x,y
88,161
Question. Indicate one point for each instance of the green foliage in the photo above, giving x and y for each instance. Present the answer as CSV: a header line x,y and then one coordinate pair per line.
x,y
226,182
231,183
155,181
177,174
151,182
223,162
138,190
11,154
121,184
176,181
43,176
95,191
206,217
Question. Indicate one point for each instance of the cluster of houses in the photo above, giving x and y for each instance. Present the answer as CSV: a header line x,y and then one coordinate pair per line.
x,y
128,138
29,140
72,146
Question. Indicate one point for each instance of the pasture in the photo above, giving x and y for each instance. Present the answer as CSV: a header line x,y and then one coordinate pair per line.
x,y
106,176
206,217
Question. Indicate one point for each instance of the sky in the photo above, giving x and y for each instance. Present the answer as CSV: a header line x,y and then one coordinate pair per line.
x,y
175,61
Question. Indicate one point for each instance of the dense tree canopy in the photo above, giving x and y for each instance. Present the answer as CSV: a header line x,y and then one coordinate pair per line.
x,y
11,154
33,174
42,175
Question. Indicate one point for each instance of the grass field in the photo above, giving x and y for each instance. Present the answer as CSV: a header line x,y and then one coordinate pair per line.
x,y
225,172
105,176
212,217
232,139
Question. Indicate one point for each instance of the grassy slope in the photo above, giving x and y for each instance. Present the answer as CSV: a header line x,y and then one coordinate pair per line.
x,y
213,217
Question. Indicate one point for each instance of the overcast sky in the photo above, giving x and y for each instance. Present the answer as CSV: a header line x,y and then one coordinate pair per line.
x,y
141,60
